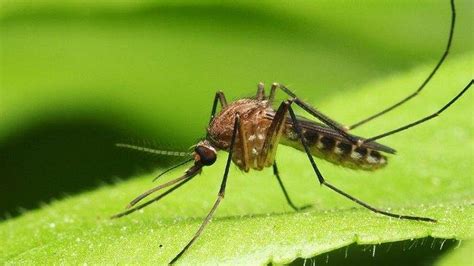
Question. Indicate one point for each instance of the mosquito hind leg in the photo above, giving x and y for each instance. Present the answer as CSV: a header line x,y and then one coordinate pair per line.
x,y
425,119
423,84
322,181
276,173
220,195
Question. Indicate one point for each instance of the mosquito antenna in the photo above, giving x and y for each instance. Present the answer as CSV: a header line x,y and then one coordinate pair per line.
x,y
189,173
173,167
422,86
154,151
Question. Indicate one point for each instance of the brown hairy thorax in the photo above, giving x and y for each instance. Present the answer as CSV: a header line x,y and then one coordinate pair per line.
x,y
256,118
253,131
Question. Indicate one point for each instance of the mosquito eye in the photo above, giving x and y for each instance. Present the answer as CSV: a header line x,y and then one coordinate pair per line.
x,y
206,155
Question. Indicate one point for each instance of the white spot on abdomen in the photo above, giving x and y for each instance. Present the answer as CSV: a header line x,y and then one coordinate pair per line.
x,y
320,145
291,134
356,155
371,159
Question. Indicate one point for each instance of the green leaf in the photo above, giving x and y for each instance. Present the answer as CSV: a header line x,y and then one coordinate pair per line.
x,y
430,176
149,67
463,256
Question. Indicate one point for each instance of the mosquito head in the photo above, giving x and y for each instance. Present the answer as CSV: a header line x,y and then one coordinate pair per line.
x,y
204,153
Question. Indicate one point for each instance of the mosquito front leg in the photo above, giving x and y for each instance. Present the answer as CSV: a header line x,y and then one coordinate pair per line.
x,y
220,195
322,181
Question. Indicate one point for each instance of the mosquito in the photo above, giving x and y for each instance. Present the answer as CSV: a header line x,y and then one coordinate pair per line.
x,y
250,130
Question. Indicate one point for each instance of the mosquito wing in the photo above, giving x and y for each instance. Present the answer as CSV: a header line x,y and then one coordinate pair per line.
x,y
314,126
326,143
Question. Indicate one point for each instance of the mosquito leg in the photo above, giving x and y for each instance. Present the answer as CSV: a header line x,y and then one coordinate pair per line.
x,y
317,114
260,91
421,120
220,195
157,198
271,97
219,97
267,155
422,86
243,142
272,138
293,206
322,181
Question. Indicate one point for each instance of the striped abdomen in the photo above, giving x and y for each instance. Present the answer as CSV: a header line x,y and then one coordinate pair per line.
x,y
327,144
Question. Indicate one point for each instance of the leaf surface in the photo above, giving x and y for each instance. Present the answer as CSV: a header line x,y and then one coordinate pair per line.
x,y
431,176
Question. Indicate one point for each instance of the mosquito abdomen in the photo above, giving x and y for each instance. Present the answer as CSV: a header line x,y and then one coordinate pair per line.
x,y
334,150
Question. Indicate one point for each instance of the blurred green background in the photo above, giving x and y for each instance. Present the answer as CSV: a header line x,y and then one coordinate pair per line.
x,y
78,76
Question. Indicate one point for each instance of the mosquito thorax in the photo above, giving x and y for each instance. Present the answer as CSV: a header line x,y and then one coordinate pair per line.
x,y
205,153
